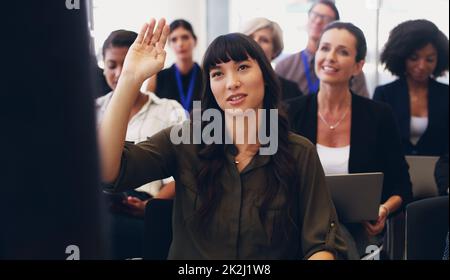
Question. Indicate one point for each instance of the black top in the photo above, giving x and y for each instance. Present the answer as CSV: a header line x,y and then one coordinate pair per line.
x,y
166,84
375,144
434,141
289,89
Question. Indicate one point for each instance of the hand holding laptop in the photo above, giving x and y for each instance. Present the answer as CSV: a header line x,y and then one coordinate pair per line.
x,y
374,228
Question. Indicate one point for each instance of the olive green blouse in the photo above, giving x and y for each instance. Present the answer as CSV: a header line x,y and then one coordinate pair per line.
x,y
236,230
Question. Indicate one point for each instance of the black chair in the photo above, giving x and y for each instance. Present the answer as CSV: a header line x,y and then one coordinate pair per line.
x,y
158,229
426,228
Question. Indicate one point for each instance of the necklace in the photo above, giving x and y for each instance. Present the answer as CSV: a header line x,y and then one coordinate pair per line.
x,y
237,161
333,126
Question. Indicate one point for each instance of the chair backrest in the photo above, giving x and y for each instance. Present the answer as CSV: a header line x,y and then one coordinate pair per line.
x,y
421,172
426,228
158,229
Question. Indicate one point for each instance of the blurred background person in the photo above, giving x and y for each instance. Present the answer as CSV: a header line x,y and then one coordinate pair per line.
x,y
269,37
183,80
299,67
417,53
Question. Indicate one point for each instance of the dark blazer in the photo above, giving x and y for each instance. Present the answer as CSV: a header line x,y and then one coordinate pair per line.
x,y
375,144
435,139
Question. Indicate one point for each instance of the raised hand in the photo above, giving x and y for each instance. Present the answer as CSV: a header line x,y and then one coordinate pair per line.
x,y
146,56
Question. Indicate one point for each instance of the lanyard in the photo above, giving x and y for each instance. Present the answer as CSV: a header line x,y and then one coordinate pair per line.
x,y
312,86
186,98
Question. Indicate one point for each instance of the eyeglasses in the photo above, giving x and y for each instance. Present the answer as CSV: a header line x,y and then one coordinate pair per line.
x,y
313,15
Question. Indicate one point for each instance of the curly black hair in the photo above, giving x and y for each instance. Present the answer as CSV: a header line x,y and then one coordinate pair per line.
x,y
410,36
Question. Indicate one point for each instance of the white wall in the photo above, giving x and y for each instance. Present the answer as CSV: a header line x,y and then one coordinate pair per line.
x,y
291,15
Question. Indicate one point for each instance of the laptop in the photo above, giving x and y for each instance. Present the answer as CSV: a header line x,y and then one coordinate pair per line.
x,y
356,196
421,172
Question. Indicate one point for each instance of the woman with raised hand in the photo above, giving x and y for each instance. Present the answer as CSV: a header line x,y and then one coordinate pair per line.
x,y
233,201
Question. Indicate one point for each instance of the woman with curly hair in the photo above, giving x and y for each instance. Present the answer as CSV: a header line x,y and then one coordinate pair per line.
x,y
417,53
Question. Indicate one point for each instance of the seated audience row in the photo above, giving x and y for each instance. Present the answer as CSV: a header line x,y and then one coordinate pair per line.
x,y
351,134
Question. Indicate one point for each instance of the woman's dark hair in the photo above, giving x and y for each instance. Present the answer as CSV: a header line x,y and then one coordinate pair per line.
x,y
361,45
410,36
328,3
238,47
119,39
184,24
